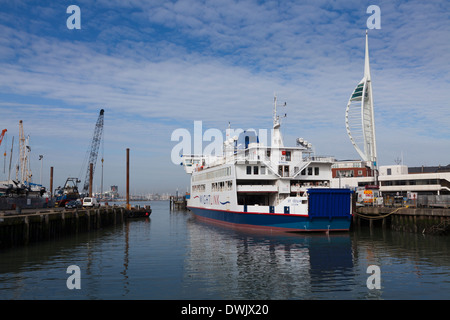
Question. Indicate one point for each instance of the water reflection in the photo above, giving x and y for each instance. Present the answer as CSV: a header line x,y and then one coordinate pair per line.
x,y
253,265
172,255
413,266
32,271
38,271
224,263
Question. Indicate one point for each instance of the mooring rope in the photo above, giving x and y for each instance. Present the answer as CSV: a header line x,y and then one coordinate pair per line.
x,y
378,217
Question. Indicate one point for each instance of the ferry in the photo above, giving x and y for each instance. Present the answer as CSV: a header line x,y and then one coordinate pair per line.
x,y
274,188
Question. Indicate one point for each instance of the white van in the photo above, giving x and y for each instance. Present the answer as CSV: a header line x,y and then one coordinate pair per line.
x,y
90,202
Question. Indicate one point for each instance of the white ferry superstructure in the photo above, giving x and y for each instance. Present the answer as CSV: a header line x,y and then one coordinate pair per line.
x,y
277,188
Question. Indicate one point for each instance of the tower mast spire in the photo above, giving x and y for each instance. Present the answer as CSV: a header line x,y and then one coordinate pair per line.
x,y
359,117
366,60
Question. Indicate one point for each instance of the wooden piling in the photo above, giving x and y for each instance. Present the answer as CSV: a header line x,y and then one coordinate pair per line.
x,y
128,179
51,182
91,176
179,203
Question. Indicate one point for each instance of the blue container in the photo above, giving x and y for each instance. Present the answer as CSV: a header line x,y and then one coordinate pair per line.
x,y
329,203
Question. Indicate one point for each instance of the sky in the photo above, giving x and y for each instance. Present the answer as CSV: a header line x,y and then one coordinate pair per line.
x,y
156,66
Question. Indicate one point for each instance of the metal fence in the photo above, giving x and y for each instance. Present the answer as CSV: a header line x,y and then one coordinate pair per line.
x,y
436,201
422,201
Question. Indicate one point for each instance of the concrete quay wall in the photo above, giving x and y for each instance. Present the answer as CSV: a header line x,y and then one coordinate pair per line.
x,y
418,220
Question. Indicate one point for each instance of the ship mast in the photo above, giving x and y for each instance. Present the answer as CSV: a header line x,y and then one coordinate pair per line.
x,y
277,139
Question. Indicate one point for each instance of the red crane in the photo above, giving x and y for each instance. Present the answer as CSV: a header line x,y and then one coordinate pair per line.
x,y
2,135
1,139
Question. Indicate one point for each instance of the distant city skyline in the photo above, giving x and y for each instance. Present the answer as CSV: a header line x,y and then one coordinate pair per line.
x,y
158,66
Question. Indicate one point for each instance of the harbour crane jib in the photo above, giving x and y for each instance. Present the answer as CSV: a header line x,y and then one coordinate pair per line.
x,y
93,150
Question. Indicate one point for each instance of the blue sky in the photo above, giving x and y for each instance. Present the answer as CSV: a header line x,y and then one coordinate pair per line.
x,y
156,66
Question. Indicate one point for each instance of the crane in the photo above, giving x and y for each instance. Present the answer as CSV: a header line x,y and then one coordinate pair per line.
x,y
93,150
24,157
1,139
2,135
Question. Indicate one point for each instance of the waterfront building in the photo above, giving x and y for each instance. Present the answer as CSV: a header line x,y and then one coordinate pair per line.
x,y
395,180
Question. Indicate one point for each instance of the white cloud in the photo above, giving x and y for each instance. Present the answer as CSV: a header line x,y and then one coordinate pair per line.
x,y
158,66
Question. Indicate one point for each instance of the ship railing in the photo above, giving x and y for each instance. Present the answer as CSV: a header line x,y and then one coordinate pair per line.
x,y
256,188
257,154
268,164
319,159
213,161
199,162
305,162
251,154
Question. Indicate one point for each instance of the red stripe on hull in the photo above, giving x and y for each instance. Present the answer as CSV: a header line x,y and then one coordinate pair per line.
x,y
241,212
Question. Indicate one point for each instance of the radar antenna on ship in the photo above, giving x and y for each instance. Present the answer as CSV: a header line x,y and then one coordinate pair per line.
x,y
276,118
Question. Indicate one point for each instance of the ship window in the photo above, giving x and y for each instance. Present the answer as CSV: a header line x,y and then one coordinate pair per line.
x,y
286,171
310,171
288,156
198,188
263,170
316,171
255,170
249,169
303,172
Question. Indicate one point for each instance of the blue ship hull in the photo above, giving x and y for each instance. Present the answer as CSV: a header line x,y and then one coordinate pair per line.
x,y
273,222
329,210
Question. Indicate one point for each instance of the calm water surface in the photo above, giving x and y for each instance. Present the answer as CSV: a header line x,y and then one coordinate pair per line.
x,y
173,256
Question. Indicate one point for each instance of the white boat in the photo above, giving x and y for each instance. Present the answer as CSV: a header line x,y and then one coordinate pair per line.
x,y
277,188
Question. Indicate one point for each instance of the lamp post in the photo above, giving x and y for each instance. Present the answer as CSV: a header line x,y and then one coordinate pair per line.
x,y
42,162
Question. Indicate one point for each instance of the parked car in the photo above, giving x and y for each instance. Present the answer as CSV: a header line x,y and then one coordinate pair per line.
x,y
73,204
91,202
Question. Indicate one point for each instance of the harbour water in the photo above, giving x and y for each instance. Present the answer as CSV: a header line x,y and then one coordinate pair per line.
x,y
174,256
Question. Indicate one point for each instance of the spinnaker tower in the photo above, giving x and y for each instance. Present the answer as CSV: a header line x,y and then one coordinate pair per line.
x,y
359,117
